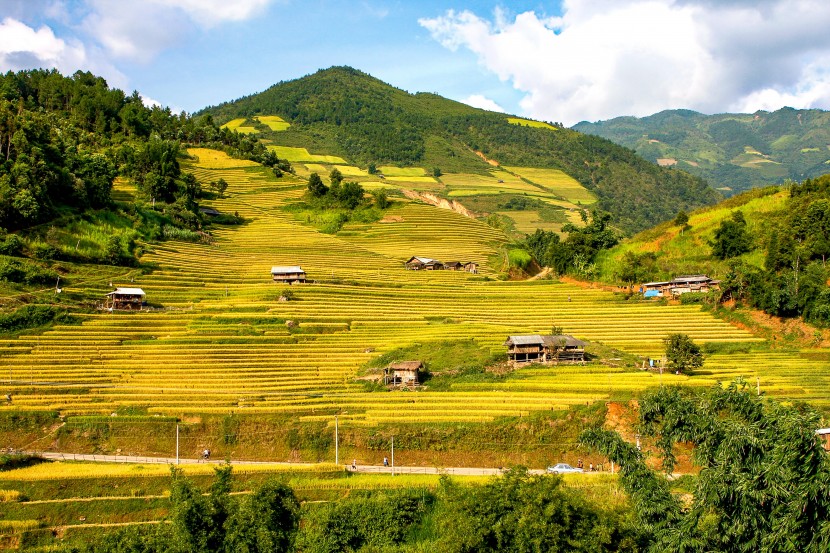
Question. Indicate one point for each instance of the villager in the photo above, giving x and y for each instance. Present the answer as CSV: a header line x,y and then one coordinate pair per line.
x,y
579,463
385,462
206,454
591,467
354,464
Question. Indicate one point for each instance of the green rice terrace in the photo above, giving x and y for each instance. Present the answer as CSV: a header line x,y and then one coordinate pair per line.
x,y
217,340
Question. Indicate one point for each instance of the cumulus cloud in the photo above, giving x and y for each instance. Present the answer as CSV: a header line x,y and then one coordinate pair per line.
x,y
479,101
603,58
24,47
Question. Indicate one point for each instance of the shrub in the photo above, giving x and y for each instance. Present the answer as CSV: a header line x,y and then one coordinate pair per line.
x,y
519,258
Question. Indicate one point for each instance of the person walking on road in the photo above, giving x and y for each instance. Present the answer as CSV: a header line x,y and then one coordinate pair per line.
x,y
385,462
354,464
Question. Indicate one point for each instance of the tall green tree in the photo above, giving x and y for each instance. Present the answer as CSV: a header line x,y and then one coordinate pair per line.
x,y
316,186
764,473
731,238
682,353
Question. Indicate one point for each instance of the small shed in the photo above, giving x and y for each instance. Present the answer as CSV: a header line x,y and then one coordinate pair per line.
x,y
564,348
471,267
526,349
423,264
126,298
209,211
288,274
824,436
454,266
402,373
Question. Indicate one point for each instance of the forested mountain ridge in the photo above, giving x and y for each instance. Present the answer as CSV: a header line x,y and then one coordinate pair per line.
x,y
345,112
733,151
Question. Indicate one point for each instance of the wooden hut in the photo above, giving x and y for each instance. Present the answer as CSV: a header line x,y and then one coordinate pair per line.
x,y
424,264
126,298
402,373
535,348
454,266
824,436
288,274
471,267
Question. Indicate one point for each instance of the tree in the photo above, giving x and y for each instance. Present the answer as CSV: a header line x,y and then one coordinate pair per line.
x,y
267,521
220,186
731,237
436,172
682,219
336,177
636,267
350,195
381,200
372,169
682,353
762,487
316,186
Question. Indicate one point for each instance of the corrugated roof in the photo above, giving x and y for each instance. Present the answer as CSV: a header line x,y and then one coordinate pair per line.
x,y
406,365
424,260
692,278
281,270
128,292
526,340
563,339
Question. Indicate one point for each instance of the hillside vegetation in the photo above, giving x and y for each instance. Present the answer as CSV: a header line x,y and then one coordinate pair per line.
x,y
733,151
346,113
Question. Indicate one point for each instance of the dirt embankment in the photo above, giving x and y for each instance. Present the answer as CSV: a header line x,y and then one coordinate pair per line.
x,y
437,201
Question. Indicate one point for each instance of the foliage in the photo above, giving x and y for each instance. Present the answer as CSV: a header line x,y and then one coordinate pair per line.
x,y
519,513
731,238
519,258
762,479
578,250
682,353
362,521
638,267
33,316
25,272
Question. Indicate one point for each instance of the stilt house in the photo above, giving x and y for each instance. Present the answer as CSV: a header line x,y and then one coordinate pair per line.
x,y
288,274
535,348
126,298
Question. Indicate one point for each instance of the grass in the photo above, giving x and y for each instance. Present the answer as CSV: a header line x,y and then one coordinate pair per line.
x,y
301,155
273,122
556,182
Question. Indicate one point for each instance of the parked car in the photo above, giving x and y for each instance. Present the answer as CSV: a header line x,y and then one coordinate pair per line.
x,y
562,468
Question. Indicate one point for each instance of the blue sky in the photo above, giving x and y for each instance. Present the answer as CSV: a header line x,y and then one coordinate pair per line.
x,y
557,61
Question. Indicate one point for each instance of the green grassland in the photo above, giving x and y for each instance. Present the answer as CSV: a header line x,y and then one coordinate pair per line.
x,y
688,252
530,123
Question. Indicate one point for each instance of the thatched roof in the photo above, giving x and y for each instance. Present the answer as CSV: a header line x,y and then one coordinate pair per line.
x,y
406,366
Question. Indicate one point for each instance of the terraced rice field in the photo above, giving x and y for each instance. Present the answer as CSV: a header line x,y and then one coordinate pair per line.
x,y
273,122
238,126
557,182
302,155
530,123
220,341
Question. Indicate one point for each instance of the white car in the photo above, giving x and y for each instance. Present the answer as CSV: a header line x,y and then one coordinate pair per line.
x,y
562,468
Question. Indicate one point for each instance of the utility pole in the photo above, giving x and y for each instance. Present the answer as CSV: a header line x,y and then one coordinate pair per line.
x,y
177,443
393,455
336,443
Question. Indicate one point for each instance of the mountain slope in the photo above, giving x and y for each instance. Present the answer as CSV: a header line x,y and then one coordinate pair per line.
x,y
732,151
347,113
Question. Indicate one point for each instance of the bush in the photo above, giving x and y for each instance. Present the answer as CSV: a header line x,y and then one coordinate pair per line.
x,y
519,258
26,272
32,316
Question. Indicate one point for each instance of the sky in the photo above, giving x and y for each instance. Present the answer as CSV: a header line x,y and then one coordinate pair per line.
x,y
564,61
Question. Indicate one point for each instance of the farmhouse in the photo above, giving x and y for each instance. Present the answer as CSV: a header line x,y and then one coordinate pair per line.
x,y
424,264
471,267
288,274
403,373
535,348
125,298
454,266
679,285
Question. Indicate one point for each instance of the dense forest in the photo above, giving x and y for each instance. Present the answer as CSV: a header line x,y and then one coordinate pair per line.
x,y
65,139
731,150
349,113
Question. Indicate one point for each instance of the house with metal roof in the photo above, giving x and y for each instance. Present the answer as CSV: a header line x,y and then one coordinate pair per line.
x,y
288,274
126,298
551,349
679,285
423,264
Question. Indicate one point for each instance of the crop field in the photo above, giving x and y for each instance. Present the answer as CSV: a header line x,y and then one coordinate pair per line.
x,y
302,155
273,122
529,221
219,341
530,123
557,182
238,126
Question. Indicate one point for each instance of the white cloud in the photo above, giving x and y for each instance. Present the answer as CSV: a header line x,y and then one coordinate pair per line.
x,y
604,58
479,101
23,47
139,30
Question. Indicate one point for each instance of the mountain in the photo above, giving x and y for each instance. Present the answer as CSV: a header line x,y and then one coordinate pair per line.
x,y
344,112
733,151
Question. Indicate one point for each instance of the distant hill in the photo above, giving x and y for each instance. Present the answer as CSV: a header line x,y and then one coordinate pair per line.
x,y
733,151
346,113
